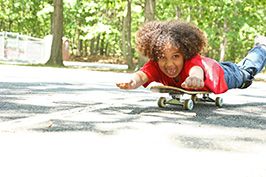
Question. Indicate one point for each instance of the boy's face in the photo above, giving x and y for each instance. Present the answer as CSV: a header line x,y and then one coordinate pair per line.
x,y
172,61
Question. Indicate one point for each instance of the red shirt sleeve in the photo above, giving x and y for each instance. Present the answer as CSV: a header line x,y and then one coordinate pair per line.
x,y
213,73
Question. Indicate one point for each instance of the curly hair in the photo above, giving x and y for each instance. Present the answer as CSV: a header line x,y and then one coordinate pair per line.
x,y
153,36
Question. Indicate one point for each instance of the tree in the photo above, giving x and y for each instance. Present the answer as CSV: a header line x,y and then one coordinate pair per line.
x,y
230,25
149,14
149,10
127,49
56,58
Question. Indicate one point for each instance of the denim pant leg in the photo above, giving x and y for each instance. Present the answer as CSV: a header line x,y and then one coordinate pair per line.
x,y
232,74
236,74
255,59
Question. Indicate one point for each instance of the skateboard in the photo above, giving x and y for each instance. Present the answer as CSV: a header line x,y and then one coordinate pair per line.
x,y
178,97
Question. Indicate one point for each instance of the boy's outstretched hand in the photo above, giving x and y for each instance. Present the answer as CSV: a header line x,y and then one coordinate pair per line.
x,y
130,84
193,82
136,80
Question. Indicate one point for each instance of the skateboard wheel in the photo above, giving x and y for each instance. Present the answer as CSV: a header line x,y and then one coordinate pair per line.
x,y
194,99
219,101
162,102
188,104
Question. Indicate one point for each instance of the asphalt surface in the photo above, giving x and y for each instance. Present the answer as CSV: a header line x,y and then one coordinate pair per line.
x,y
75,122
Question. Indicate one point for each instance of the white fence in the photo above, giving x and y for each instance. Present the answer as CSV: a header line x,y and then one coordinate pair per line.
x,y
24,49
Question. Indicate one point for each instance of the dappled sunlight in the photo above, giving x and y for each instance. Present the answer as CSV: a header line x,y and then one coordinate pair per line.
x,y
80,101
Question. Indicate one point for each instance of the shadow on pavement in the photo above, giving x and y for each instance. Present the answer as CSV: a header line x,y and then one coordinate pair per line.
x,y
205,114
114,118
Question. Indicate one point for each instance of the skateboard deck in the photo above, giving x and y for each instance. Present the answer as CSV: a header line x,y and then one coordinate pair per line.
x,y
177,95
177,90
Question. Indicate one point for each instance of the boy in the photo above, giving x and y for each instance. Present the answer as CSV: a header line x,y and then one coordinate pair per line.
x,y
174,48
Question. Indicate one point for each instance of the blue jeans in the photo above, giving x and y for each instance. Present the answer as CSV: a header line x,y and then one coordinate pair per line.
x,y
236,74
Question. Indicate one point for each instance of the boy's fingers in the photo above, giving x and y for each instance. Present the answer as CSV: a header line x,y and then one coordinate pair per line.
x,y
192,84
123,85
120,85
184,85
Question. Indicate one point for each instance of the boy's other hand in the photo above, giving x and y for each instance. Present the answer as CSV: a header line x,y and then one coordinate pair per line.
x,y
193,82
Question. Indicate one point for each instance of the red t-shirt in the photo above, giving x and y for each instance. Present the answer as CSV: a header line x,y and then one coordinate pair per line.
x,y
213,74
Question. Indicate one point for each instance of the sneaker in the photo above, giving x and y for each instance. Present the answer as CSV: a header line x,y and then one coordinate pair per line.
x,y
246,84
260,40
248,76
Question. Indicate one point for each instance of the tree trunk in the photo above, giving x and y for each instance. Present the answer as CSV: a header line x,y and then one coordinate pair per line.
x,y
127,49
149,10
56,58
97,48
224,42
129,46
85,48
189,18
80,47
102,41
178,13
149,14
222,49
106,50
92,49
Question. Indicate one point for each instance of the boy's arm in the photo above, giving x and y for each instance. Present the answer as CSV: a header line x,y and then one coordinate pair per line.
x,y
195,80
138,79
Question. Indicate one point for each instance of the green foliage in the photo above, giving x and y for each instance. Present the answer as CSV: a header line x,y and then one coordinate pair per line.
x,y
237,21
23,17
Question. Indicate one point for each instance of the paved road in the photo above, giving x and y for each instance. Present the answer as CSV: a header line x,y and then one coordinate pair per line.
x,y
98,130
